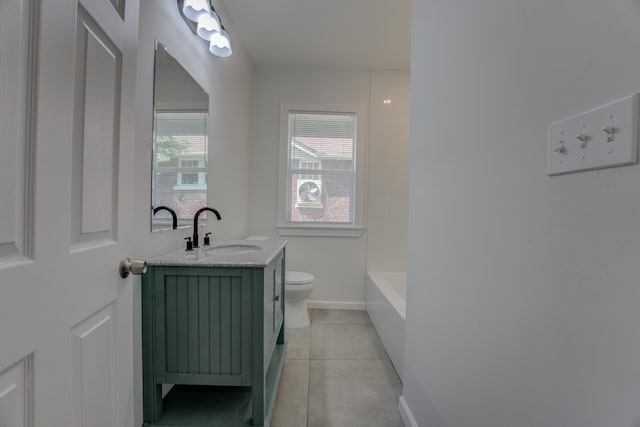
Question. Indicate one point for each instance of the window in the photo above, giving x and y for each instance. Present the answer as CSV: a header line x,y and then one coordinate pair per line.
x,y
321,182
309,165
180,163
192,175
188,178
189,163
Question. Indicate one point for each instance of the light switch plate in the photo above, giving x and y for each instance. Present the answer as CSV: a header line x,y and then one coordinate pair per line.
x,y
601,138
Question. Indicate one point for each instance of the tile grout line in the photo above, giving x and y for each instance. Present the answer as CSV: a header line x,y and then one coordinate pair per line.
x,y
349,360
308,391
309,368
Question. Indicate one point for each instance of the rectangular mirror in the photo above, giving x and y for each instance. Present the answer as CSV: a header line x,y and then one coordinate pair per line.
x,y
180,142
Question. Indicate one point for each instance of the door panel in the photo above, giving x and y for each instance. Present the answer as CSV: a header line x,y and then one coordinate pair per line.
x,y
94,370
118,6
96,123
15,396
65,313
16,86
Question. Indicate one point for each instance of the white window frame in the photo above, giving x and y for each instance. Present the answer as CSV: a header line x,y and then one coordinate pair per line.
x,y
354,229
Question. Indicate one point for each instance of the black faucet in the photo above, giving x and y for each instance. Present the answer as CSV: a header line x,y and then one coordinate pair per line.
x,y
195,222
171,211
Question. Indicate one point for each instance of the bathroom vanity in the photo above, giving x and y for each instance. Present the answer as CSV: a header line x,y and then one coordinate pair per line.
x,y
213,325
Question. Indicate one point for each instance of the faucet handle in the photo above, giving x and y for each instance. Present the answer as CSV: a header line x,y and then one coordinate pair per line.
x,y
207,239
189,243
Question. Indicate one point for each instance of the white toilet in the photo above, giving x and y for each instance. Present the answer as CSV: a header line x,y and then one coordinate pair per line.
x,y
298,285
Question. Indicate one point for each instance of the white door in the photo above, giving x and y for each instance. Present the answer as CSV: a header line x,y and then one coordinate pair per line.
x,y
67,71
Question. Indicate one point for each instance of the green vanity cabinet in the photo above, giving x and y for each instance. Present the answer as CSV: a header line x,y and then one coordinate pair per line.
x,y
218,326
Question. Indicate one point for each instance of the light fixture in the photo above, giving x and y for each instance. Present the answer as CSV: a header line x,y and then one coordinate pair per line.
x,y
208,26
202,19
220,44
193,9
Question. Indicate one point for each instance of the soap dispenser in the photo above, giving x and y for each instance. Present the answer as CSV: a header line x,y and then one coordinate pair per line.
x,y
189,243
207,239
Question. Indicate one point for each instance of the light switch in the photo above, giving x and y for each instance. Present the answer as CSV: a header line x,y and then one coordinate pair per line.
x,y
601,138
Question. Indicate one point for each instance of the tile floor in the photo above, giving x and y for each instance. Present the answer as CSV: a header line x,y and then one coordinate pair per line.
x,y
337,374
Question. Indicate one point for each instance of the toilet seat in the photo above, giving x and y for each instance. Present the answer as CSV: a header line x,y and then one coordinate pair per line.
x,y
297,278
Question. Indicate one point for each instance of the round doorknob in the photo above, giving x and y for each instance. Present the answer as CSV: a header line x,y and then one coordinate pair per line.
x,y
134,267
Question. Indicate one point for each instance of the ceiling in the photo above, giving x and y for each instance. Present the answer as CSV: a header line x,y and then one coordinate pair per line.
x,y
365,34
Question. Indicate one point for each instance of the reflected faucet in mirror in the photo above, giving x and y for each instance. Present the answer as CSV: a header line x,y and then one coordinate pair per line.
x,y
195,223
174,217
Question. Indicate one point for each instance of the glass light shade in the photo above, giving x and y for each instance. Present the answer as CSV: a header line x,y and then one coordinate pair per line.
x,y
220,44
192,9
208,25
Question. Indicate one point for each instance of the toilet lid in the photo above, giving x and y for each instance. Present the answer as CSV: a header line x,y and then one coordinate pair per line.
x,y
297,277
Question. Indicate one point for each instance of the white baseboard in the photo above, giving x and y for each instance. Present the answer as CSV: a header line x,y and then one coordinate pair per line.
x,y
337,305
406,414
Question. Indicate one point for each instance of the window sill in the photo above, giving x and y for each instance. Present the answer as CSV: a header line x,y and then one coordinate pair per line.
x,y
189,187
319,231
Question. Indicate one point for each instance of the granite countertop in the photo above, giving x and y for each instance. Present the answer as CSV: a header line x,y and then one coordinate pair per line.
x,y
227,253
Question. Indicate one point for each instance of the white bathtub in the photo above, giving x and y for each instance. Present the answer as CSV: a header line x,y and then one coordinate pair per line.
x,y
386,305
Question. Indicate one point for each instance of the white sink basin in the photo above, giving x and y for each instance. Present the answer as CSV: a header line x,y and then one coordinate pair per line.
x,y
232,249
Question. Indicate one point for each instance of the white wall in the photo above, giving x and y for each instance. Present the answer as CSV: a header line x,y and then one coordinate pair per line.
x,y
388,189
175,89
228,83
523,289
338,263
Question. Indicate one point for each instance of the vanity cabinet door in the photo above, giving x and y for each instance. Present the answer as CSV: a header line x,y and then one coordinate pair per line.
x,y
273,305
269,312
278,289
201,324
